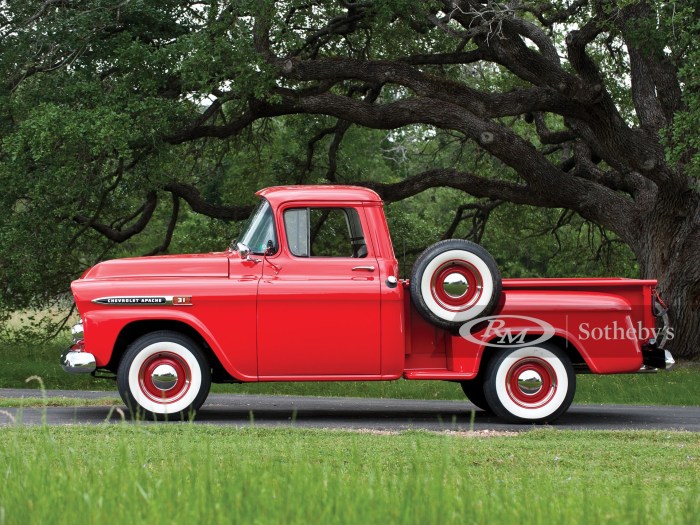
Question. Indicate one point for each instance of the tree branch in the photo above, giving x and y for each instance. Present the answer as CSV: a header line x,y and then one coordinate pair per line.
x,y
551,137
340,129
548,15
311,147
194,198
490,105
120,236
656,91
163,248
441,59
587,198
478,212
452,178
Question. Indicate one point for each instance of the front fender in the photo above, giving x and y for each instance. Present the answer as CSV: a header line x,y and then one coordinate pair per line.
x,y
103,327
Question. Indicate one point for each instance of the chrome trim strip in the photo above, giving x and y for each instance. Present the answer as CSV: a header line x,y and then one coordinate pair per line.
x,y
145,300
141,300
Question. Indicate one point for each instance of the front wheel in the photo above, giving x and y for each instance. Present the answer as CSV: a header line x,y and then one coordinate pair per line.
x,y
533,384
164,374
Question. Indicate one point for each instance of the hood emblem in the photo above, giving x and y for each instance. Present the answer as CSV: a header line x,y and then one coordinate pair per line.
x,y
168,300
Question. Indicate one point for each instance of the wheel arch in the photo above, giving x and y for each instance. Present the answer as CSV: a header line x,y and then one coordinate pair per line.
x,y
569,348
573,352
132,331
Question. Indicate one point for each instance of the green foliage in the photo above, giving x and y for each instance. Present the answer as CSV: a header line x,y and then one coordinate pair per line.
x,y
684,144
69,137
541,242
95,94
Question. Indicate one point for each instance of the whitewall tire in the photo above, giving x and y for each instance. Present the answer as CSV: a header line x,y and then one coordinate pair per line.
x,y
455,281
165,375
534,384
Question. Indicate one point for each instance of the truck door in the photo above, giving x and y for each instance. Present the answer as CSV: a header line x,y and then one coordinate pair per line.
x,y
318,300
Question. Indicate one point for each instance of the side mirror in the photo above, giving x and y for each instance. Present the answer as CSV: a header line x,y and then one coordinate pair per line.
x,y
243,251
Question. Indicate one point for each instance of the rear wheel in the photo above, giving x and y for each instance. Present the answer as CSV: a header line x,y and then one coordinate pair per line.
x,y
164,374
530,385
454,281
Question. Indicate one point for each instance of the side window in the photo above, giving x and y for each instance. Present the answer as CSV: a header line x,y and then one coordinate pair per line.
x,y
325,232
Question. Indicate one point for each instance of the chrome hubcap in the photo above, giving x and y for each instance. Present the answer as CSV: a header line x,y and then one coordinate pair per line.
x,y
164,377
455,285
530,382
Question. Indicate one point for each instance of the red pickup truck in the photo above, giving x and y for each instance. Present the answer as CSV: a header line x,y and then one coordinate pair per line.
x,y
311,293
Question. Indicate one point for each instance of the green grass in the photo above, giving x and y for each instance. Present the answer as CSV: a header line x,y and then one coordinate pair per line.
x,y
33,402
18,362
680,386
202,474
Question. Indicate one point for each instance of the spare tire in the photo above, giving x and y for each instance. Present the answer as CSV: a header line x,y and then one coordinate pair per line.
x,y
455,281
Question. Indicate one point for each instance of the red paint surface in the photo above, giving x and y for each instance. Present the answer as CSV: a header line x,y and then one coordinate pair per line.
x,y
289,318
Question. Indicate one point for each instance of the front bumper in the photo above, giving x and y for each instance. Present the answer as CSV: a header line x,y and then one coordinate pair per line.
x,y
75,360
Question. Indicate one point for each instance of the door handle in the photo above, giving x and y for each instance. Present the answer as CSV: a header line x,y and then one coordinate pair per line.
x,y
365,268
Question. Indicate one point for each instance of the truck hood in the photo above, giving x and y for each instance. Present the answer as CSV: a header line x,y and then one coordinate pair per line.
x,y
201,265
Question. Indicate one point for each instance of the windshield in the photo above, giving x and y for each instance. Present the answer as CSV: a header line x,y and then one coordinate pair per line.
x,y
260,229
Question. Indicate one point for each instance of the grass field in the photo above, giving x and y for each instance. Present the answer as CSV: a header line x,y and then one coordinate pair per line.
x,y
182,473
680,386
187,474
26,402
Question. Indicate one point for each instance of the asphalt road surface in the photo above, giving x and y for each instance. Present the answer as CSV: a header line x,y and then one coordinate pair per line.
x,y
356,413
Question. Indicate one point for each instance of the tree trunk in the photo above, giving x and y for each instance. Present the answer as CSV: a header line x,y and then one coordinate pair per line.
x,y
684,311
668,250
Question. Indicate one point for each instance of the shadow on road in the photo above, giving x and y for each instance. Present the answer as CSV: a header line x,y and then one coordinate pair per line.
x,y
380,414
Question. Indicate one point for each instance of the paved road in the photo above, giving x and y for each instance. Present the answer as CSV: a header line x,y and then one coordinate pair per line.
x,y
358,413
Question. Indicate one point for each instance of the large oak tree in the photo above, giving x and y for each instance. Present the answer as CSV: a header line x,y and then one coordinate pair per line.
x,y
98,95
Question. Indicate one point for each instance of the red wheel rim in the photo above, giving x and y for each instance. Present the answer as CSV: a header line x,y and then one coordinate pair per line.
x,y
181,384
531,382
456,274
